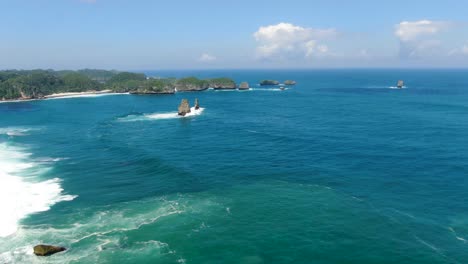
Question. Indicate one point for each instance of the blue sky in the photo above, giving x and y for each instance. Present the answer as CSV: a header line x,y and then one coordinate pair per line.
x,y
138,35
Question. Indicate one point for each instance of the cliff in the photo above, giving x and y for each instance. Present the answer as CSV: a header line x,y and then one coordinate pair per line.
x,y
222,83
191,84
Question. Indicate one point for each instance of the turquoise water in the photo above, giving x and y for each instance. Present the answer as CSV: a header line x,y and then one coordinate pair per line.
x,y
341,168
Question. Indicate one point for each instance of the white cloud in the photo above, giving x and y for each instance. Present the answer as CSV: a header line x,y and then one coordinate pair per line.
x,y
288,40
408,31
465,49
420,38
205,57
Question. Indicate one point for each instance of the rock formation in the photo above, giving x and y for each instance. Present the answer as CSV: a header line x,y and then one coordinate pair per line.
x,y
191,84
400,84
222,84
184,107
289,82
269,82
244,86
168,89
47,250
197,105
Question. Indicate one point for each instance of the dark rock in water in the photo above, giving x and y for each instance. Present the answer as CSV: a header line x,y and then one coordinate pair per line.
x,y
269,82
47,250
184,107
289,82
244,86
400,84
197,105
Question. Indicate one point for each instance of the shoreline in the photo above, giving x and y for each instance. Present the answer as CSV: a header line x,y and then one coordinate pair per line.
x,y
61,95
64,95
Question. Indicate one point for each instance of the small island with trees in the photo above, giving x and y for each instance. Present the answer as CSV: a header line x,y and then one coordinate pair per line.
x,y
43,84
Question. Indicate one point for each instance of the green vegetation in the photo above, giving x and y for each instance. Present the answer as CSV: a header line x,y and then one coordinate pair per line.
x,y
34,84
222,83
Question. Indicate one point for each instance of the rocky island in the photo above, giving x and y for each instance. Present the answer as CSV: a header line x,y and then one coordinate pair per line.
x,y
289,82
269,82
244,86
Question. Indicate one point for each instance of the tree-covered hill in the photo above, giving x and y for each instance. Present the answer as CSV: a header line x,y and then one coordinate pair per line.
x,y
36,84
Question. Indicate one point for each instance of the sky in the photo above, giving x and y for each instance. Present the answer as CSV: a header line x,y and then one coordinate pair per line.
x,y
236,34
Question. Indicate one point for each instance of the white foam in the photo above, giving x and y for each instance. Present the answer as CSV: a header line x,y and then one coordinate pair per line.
x,y
21,193
193,112
398,88
161,116
457,236
15,131
269,89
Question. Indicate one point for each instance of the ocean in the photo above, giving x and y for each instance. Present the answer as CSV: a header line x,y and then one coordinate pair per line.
x,y
340,168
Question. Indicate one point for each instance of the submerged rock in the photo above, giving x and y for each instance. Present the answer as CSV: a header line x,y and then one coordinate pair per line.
x,y
289,82
269,82
197,106
244,86
47,250
184,107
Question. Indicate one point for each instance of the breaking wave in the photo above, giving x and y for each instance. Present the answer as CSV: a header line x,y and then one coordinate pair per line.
x,y
22,192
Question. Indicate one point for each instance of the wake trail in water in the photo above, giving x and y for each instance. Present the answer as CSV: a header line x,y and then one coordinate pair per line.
x,y
160,116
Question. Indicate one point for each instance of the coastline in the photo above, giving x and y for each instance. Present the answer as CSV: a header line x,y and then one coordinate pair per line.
x,y
62,95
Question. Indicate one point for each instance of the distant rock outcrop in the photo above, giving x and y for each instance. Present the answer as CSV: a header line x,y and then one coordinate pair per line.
x,y
47,250
222,84
167,89
197,105
289,82
244,86
184,107
400,84
269,82
191,84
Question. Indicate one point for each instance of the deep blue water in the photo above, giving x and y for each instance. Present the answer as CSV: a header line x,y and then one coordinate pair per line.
x,y
340,168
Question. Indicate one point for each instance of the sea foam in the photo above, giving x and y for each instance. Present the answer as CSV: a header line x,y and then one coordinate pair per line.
x,y
15,131
21,192
161,116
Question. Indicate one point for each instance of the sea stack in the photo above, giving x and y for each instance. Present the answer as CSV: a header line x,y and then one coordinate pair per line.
x,y
197,105
47,250
184,107
244,86
400,84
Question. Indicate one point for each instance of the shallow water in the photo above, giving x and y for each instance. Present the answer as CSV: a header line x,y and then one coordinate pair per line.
x,y
340,168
